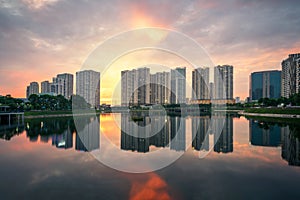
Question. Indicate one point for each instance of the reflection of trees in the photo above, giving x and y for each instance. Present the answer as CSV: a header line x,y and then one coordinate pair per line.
x,y
61,130
48,126
10,132
264,133
282,131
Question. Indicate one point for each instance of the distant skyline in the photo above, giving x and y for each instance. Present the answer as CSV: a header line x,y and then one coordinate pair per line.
x,y
41,38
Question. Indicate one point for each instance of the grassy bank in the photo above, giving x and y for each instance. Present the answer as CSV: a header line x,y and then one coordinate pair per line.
x,y
36,113
275,119
58,112
290,111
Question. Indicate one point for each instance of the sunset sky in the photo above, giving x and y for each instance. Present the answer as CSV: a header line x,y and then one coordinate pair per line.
x,y
41,38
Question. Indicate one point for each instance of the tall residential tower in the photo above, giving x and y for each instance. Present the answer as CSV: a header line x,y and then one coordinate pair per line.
x,y
178,85
200,84
67,81
33,88
290,75
135,86
88,86
223,82
265,84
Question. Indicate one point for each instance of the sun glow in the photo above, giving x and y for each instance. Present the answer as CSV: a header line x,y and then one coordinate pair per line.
x,y
140,19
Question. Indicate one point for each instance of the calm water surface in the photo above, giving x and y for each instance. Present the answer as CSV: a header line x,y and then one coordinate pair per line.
x,y
251,159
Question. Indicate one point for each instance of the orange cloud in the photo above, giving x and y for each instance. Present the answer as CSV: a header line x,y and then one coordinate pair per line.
x,y
140,18
153,188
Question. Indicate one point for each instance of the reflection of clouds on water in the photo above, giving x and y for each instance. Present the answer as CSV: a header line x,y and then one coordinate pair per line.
x,y
164,145
151,186
39,177
277,134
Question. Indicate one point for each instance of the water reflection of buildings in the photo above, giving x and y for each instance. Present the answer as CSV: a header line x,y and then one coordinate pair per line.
x,y
164,131
200,129
290,150
223,133
61,132
138,140
88,138
263,134
273,135
64,140
177,129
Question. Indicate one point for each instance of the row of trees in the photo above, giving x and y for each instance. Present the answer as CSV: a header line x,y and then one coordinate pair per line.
x,y
13,103
44,102
294,100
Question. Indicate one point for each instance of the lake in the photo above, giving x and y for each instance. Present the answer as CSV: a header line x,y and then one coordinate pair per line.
x,y
140,156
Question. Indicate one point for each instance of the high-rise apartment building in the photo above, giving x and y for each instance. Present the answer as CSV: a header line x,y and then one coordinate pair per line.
x,y
265,84
127,85
212,90
57,86
45,87
33,88
143,86
160,88
223,82
200,84
290,75
135,86
67,81
62,84
178,85
88,86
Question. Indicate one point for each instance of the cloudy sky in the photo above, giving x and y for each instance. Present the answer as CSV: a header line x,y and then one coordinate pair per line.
x,y
41,38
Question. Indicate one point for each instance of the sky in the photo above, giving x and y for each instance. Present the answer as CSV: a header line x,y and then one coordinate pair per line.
x,y
41,38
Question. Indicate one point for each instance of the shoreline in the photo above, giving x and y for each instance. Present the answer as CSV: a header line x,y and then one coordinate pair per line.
x,y
240,112
287,116
57,115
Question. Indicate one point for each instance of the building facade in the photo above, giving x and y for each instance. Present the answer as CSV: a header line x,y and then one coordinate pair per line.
x,y
135,87
290,77
67,81
265,84
223,82
200,84
88,86
33,88
160,88
57,86
45,87
178,85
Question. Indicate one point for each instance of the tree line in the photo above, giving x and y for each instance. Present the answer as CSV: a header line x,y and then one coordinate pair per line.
x,y
44,102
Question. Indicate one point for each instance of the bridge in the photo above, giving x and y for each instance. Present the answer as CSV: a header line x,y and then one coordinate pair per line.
x,y
11,118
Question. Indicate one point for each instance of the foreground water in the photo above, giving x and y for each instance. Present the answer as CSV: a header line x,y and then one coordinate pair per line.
x,y
55,158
